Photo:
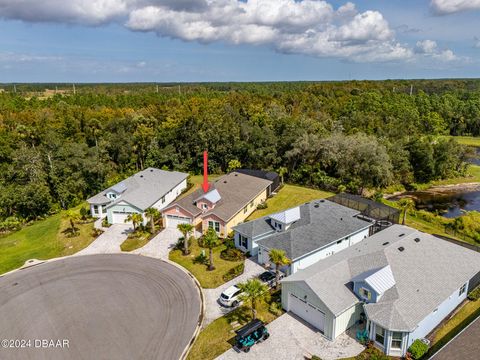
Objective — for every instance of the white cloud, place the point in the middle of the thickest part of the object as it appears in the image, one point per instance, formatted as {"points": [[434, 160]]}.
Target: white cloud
{"points": [[310, 27], [429, 48], [444, 7]]}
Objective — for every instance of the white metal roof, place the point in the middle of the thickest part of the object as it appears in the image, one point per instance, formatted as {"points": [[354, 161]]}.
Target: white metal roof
{"points": [[287, 216], [380, 280], [212, 196]]}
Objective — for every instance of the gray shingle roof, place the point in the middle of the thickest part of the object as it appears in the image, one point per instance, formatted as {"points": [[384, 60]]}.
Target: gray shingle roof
{"points": [[321, 223], [236, 191], [143, 189], [426, 273]]}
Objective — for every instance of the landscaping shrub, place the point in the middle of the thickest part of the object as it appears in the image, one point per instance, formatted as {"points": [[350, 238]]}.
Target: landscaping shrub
{"points": [[201, 259], [234, 272], [230, 254], [262, 205], [372, 353], [180, 244], [229, 243], [276, 309], [474, 295], [418, 349], [315, 357]]}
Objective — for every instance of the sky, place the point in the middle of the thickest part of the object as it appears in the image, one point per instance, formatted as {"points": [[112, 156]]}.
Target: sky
{"points": [[237, 40]]}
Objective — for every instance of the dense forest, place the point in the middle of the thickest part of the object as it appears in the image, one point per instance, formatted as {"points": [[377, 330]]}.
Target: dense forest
{"points": [[58, 149]]}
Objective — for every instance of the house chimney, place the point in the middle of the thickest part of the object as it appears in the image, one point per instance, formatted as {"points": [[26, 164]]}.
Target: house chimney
{"points": [[205, 185]]}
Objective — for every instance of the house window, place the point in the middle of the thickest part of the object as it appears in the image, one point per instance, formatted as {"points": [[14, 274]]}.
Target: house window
{"points": [[251, 204], [214, 225], [380, 335], [95, 209], [204, 206], [397, 338], [104, 208], [364, 293], [462, 290], [278, 226], [163, 199], [243, 241], [245, 209]]}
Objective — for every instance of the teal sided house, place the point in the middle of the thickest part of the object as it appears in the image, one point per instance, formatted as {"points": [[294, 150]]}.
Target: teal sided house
{"points": [[148, 188], [392, 288]]}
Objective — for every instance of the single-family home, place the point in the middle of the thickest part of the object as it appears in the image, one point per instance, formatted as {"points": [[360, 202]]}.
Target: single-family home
{"points": [[307, 233], [227, 202], [395, 287], [148, 188]]}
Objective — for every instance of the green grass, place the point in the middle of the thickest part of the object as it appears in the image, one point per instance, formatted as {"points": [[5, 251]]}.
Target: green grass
{"points": [[45, 239], [136, 240], [467, 140], [208, 279], [289, 196], [218, 337], [466, 315]]}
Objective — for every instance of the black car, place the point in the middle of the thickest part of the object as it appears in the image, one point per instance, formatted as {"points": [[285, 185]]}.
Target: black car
{"points": [[251, 334], [268, 277]]}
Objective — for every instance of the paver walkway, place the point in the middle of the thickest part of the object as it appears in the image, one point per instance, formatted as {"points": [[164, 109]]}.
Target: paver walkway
{"points": [[109, 242], [213, 310], [291, 338]]}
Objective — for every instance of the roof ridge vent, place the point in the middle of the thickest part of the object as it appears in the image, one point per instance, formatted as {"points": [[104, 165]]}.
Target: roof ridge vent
{"points": [[417, 240], [386, 243], [402, 234]]}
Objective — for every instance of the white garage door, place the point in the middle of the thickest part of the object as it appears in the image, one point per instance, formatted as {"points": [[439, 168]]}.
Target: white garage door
{"points": [[307, 312], [120, 217], [173, 221]]}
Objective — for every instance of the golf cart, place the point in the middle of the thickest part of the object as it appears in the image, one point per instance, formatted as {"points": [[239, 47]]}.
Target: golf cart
{"points": [[251, 334]]}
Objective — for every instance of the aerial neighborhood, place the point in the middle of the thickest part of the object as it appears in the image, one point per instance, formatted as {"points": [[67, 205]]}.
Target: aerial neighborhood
{"points": [[342, 268]]}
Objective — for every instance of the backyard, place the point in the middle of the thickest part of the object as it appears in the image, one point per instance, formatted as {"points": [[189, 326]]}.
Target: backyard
{"points": [[289, 196], [44, 239]]}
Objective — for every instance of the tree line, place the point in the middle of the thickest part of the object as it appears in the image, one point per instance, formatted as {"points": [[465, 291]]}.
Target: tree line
{"points": [[57, 151]]}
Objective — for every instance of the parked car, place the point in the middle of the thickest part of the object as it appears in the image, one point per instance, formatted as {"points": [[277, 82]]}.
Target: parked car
{"points": [[251, 334], [268, 278], [230, 296]]}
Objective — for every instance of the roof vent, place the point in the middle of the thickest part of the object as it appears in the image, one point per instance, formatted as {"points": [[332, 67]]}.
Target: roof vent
{"points": [[341, 219], [322, 201], [316, 205], [401, 248], [236, 174], [402, 234], [225, 182], [386, 243], [151, 170], [417, 240], [141, 176]]}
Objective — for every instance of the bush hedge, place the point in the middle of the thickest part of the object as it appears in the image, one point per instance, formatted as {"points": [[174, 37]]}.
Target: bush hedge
{"points": [[474, 295], [230, 254], [418, 349], [234, 272]]}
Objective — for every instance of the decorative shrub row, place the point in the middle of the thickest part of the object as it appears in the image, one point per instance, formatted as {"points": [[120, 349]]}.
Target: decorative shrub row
{"points": [[234, 272]]}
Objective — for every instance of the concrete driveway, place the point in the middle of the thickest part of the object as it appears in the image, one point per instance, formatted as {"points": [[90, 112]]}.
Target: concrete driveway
{"points": [[160, 245], [291, 338], [116, 306], [109, 242], [213, 310]]}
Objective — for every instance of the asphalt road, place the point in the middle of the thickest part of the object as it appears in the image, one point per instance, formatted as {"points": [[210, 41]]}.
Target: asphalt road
{"points": [[103, 306], [465, 346]]}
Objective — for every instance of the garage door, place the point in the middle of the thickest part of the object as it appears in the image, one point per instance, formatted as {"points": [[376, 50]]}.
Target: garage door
{"points": [[173, 221], [120, 217], [307, 312]]}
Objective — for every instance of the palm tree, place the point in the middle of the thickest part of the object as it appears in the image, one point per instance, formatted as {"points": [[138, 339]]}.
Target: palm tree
{"points": [[253, 291], [152, 213], [185, 229], [135, 219], [282, 171], [406, 204], [72, 216], [210, 240], [279, 258]]}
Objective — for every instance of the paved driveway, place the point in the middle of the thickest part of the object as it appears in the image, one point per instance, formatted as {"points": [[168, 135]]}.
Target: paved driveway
{"points": [[109, 242], [118, 306], [291, 338], [213, 309], [160, 245]]}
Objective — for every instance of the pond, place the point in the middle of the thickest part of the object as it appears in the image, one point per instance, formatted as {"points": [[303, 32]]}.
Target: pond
{"points": [[450, 204]]}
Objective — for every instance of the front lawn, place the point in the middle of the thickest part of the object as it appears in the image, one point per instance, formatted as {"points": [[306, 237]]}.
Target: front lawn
{"points": [[136, 240], [289, 196], [219, 336], [447, 331], [45, 239], [208, 279]]}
